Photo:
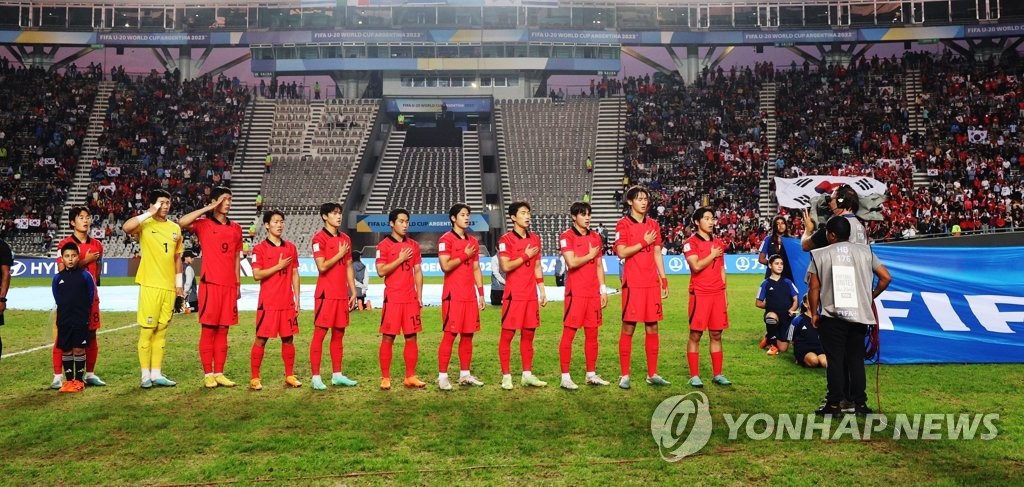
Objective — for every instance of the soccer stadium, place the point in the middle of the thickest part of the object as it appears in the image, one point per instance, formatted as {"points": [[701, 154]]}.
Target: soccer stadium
{"points": [[812, 207]]}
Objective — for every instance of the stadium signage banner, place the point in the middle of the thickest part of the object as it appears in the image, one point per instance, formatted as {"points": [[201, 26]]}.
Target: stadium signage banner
{"points": [[33, 267], [433, 105], [945, 305], [418, 223]]}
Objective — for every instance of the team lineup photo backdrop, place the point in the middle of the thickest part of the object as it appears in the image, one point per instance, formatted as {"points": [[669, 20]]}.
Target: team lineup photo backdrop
{"points": [[945, 305]]}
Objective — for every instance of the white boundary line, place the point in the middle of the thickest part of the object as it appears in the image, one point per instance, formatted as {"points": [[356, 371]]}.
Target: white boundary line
{"points": [[45, 347]]}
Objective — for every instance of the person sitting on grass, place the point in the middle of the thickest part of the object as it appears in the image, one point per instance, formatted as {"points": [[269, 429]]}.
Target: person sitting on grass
{"points": [[807, 349], [779, 299]]}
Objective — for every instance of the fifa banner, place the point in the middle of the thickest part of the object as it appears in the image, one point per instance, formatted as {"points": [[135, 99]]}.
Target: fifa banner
{"points": [[419, 223], [797, 192], [945, 305], [32, 267], [433, 105]]}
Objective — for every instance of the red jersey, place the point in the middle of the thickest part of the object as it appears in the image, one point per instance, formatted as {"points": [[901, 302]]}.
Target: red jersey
{"points": [[709, 280], [460, 283], [399, 286], [90, 245], [640, 270], [521, 283], [221, 244], [332, 284], [581, 281], [276, 290]]}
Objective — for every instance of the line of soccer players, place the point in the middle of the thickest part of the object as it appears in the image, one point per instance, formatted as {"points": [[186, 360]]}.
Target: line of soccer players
{"points": [[275, 267]]}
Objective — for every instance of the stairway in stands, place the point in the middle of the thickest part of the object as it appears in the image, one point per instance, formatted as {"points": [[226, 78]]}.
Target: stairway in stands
{"points": [[506, 188], [608, 173], [247, 168], [377, 200], [766, 103], [472, 170], [90, 146], [912, 82]]}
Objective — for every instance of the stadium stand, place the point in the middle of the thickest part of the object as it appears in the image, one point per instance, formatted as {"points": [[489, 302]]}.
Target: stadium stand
{"points": [[546, 145], [43, 121]]}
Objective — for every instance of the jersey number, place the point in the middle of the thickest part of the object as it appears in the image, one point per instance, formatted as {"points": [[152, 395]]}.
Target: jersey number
{"points": [[224, 248], [165, 248]]}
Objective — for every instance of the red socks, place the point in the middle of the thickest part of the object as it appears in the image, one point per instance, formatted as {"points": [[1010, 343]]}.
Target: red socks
{"points": [[58, 359], [651, 344], [693, 358], [256, 359], [716, 363], [220, 350], [288, 355], [444, 353], [565, 348], [316, 349], [526, 348], [590, 348], [384, 354], [92, 350], [625, 352], [505, 350], [465, 351], [337, 349], [206, 338], [411, 353]]}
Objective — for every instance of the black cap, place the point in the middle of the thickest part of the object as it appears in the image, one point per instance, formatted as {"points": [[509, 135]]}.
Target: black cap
{"points": [[187, 253]]}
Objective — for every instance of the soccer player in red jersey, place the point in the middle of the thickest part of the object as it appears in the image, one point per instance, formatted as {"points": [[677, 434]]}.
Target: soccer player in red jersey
{"points": [[644, 284], [458, 254], [335, 294], [90, 251], [585, 293], [708, 308], [275, 264], [219, 286], [398, 261], [518, 255]]}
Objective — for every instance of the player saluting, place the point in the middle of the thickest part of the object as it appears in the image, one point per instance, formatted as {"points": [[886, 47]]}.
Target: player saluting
{"points": [[644, 284], [90, 253], [335, 294], [585, 293], [398, 261], [221, 242], [462, 296], [708, 308], [518, 257], [160, 280], [275, 264]]}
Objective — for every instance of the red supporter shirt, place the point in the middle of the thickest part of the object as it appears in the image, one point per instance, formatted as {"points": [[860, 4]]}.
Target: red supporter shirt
{"points": [[709, 280], [461, 281], [332, 284], [276, 290], [221, 243], [90, 245], [640, 269], [399, 286], [521, 283], [581, 281]]}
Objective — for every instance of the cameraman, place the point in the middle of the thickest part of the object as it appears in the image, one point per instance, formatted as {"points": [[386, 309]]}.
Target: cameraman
{"points": [[842, 202]]}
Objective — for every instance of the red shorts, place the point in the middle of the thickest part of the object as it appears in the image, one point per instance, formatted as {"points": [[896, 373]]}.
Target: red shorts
{"points": [[218, 305], [641, 305], [400, 318], [94, 315], [460, 316], [582, 312], [330, 313], [271, 323], [708, 312], [516, 315]]}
